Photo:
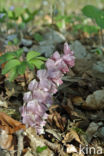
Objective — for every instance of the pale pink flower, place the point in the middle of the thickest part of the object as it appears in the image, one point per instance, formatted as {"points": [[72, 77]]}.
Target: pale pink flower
{"points": [[67, 49], [56, 56], [33, 85], [27, 97], [42, 74], [69, 60], [42, 96]]}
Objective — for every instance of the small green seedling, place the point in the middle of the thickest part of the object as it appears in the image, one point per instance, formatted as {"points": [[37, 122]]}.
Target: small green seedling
{"points": [[38, 37], [41, 149], [97, 51], [90, 29], [28, 16]]}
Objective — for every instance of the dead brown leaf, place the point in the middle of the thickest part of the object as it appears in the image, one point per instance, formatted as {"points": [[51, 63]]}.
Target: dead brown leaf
{"points": [[9, 124], [70, 136], [78, 101], [57, 120], [8, 127]]}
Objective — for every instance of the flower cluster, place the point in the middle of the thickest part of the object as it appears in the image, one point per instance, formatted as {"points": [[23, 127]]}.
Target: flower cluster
{"points": [[39, 97]]}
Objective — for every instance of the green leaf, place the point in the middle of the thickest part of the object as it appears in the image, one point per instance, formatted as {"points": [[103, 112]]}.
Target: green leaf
{"points": [[97, 50], [13, 74], [31, 55], [41, 149], [22, 68], [6, 57], [100, 19], [94, 13], [10, 65], [30, 66], [90, 11], [38, 37], [90, 29], [18, 53], [16, 41], [42, 58], [37, 63]]}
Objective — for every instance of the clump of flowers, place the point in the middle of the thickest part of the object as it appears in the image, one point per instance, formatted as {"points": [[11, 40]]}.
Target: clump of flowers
{"points": [[39, 97]]}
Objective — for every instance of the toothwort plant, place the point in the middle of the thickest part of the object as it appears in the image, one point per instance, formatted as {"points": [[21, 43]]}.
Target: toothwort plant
{"points": [[39, 97]]}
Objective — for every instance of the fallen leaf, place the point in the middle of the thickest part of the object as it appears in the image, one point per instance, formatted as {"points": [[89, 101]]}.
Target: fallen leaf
{"points": [[8, 126], [70, 136], [78, 101], [3, 104], [56, 119]]}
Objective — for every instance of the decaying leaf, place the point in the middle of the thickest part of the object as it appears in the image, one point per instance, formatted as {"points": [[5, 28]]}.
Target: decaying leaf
{"points": [[3, 104], [8, 141], [68, 107], [8, 127], [56, 119], [70, 136], [78, 101], [9, 124], [36, 141]]}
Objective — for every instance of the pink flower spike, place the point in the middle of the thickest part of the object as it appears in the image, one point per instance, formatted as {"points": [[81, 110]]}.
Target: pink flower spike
{"points": [[40, 96]]}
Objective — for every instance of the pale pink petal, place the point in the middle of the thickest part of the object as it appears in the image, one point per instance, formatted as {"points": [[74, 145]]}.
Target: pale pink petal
{"points": [[56, 56], [42, 74], [27, 97], [69, 60], [66, 48], [33, 85]]}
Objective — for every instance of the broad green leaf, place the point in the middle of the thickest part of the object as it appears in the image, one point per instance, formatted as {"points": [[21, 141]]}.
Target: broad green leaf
{"points": [[42, 58], [6, 57], [18, 53], [86, 28], [10, 55], [59, 24], [90, 11], [13, 74], [30, 66], [100, 19], [31, 55], [41, 149], [94, 13], [90, 29], [10, 65], [22, 68], [37, 63], [38, 37]]}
